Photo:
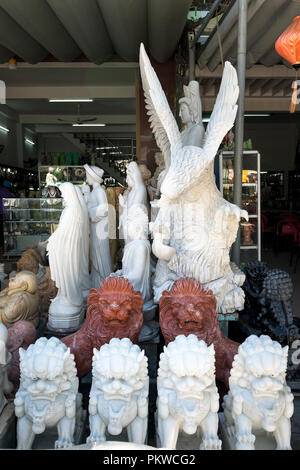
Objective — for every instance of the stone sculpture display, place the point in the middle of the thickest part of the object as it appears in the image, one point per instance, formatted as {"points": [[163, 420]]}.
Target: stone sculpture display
{"points": [[30, 261], [48, 394], [159, 173], [195, 226], [6, 386], [114, 311], [190, 113], [65, 256], [20, 300], [99, 229], [259, 398], [189, 309], [47, 291], [268, 302], [21, 335], [187, 392], [84, 252], [134, 196], [119, 393], [136, 261]]}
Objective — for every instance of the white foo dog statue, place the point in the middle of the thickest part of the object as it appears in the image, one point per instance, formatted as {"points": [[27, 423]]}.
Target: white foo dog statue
{"points": [[259, 399], [119, 393], [187, 392], [48, 394]]}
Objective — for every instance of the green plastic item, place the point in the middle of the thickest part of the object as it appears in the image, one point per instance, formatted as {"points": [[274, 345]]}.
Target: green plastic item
{"points": [[69, 158]]}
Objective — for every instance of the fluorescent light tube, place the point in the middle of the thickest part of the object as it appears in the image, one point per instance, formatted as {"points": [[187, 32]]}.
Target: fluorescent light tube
{"points": [[4, 129], [88, 125], [29, 141], [82, 100]]}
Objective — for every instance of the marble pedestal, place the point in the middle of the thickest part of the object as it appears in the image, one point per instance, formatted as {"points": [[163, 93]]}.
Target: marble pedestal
{"points": [[47, 439], [8, 427], [65, 323], [263, 441]]}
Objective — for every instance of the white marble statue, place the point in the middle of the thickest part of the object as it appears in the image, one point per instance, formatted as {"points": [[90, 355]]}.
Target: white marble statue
{"points": [[65, 251], [99, 227], [159, 173], [136, 261], [5, 385], [51, 179], [84, 252], [136, 195], [187, 394], [259, 398], [190, 113], [48, 394], [195, 227], [119, 393]]}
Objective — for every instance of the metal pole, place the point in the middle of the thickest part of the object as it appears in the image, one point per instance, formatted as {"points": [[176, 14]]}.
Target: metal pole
{"points": [[239, 125], [191, 56], [206, 20]]}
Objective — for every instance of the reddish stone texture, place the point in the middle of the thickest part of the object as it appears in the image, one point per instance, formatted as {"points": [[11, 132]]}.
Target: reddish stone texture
{"points": [[21, 335], [189, 309], [47, 291], [114, 311]]}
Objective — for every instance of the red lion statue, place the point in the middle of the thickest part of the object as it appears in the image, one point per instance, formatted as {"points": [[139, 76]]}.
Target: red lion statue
{"points": [[189, 309], [114, 311]]}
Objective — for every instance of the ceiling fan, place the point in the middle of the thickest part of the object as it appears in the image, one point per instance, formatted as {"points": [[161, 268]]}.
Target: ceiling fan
{"points": [[78, 120]]}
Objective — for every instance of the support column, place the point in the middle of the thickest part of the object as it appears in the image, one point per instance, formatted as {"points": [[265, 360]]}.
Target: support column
{"points": [[239, 126]]}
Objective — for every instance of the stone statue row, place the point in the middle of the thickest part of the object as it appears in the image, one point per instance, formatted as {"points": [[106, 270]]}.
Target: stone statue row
{"points": [[191, 225], [258, 405]]}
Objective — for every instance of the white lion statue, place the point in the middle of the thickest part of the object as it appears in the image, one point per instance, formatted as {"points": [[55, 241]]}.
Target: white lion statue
{"points": [[258, 398], [48, 394], [119, 393], [187, 392]]}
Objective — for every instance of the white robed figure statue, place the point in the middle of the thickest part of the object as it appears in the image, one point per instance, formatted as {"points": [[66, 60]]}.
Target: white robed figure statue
{"points": [[136, 195], [65, 250], [99, 227]]}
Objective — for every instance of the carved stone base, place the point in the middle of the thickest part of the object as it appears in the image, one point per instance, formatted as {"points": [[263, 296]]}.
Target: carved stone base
{"points": [[263, 441], [111, 445], [8, 426], [48, 438], [65, 323]]}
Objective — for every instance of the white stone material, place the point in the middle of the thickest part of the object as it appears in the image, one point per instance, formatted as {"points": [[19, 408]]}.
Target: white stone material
{"points": [[5, 385], [99, 227], [135, 196], [119, 393], [51, 179], [187, 394], [259, 398], [136, 261], [48, 394], [67, 249], [190, 113], [195, 227]]}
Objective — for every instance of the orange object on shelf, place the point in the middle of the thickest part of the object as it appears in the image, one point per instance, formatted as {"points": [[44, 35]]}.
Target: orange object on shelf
{"points": [[288, 47]]}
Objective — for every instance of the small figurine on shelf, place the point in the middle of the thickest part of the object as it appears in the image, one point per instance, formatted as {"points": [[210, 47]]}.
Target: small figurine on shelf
{"points": [[248, 229], [51, 189], [51, 180]]}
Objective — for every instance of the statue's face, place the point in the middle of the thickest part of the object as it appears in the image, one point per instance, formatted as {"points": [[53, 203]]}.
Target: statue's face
{"points": [[184, 113]]}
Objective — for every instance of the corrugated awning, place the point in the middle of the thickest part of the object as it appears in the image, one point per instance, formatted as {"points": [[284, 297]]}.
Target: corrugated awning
{"points": [[98, 29], [267, 19]]}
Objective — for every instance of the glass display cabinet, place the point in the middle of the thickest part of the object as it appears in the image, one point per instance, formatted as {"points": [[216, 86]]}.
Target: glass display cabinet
{"points": [[250, 231], [72, 174], [26, 222]]}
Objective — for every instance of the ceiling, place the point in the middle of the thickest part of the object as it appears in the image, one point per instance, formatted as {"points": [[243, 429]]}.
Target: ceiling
{"points": [[98, 30]]}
